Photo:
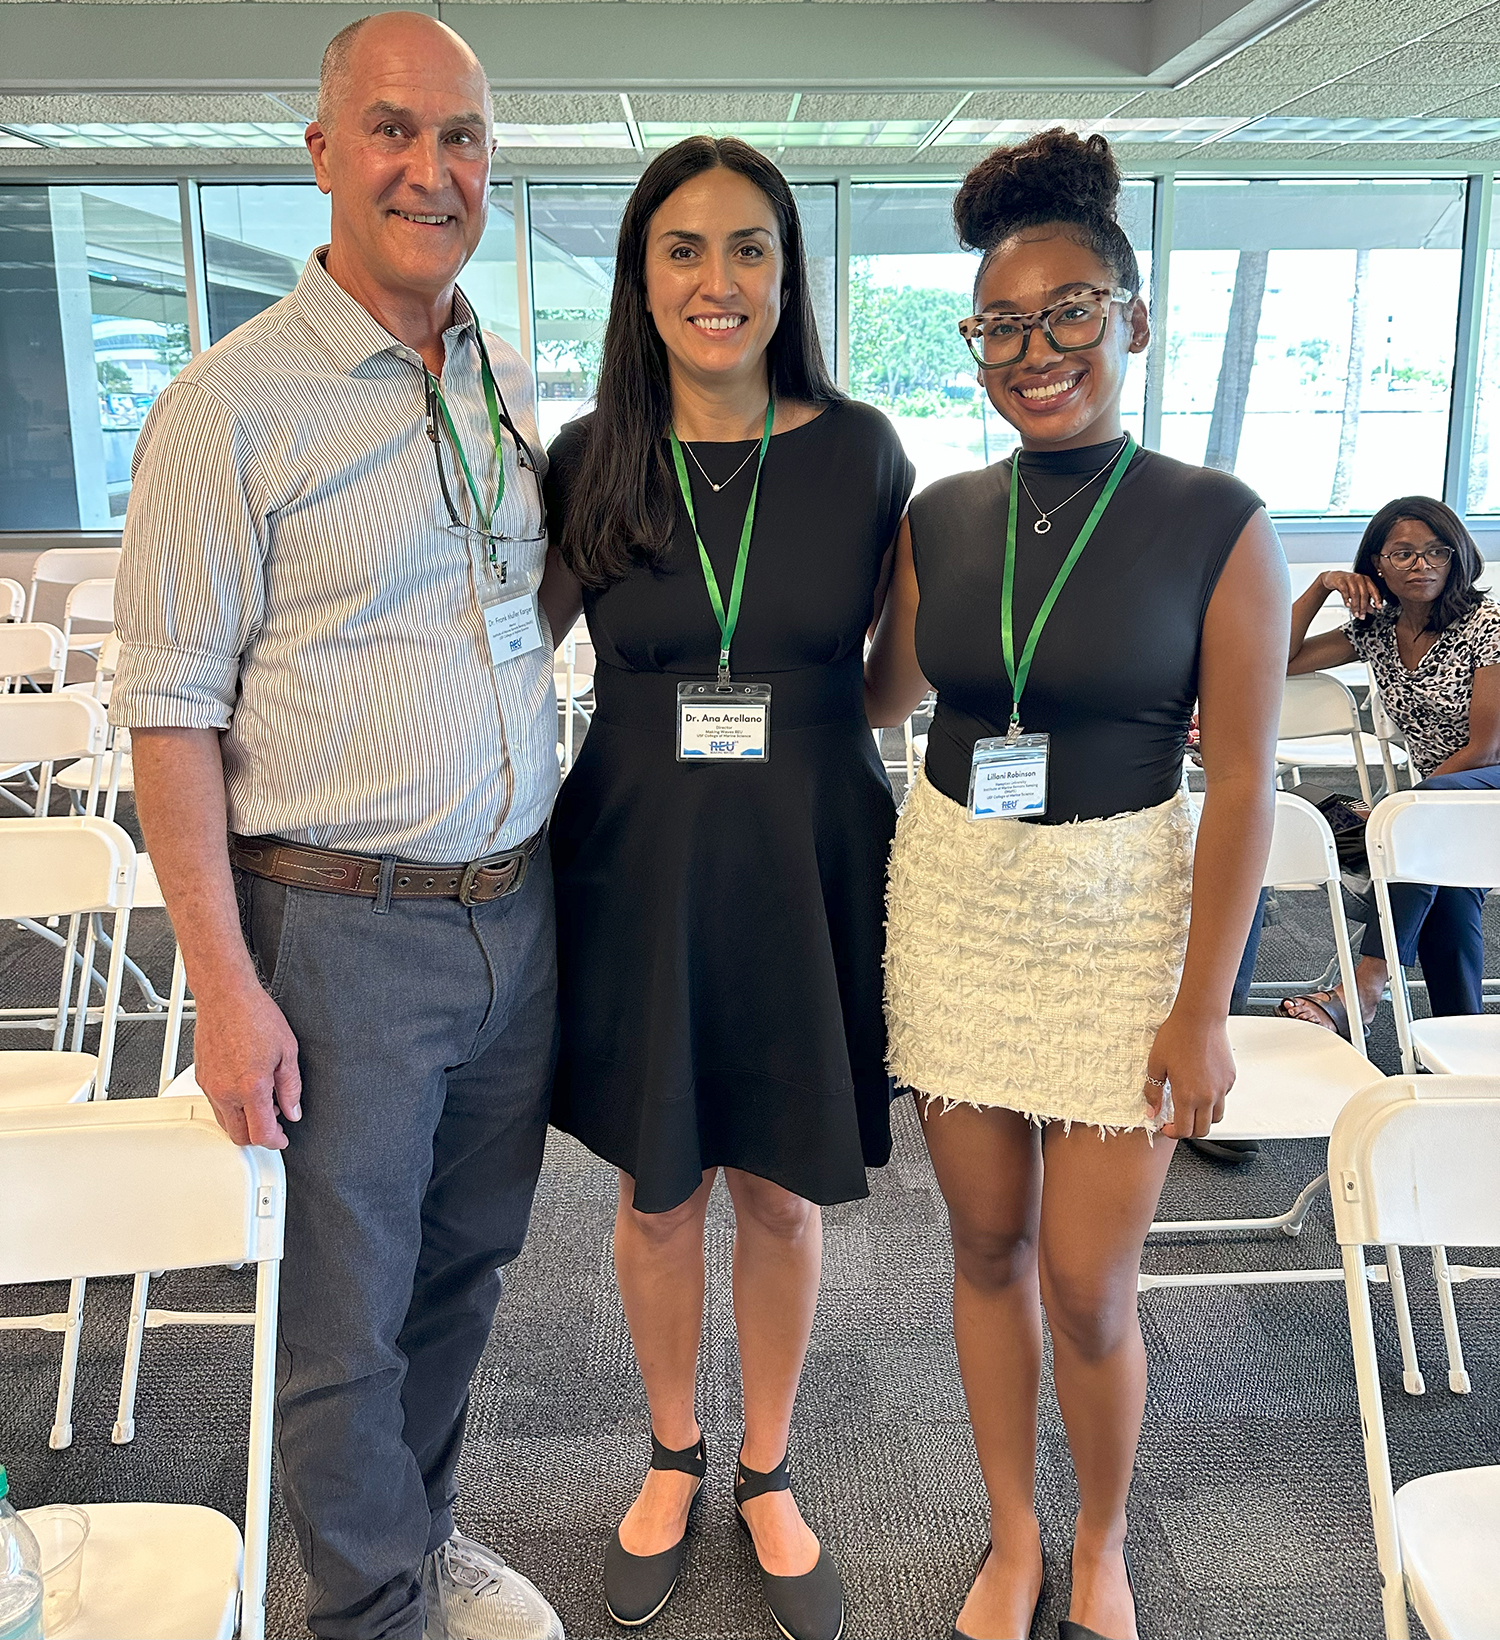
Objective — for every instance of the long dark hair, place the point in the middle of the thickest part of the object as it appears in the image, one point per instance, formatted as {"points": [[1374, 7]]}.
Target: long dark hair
{"points": [[1052, 177], [624, 504], [1459, 594]]}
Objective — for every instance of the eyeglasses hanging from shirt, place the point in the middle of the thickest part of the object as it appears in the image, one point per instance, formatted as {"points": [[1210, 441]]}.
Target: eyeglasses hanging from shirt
{"points": [[500, 418]]}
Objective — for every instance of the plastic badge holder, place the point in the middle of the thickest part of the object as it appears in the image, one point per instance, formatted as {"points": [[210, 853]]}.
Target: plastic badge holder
{"points": [[723, 722], [61, 1532], [1008, 778]]}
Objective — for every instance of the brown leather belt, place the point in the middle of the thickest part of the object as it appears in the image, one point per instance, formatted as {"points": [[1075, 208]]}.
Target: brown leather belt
{"points": [[333, 872]]}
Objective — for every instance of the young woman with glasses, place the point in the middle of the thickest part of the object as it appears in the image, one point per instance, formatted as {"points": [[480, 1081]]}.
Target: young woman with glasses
{"points": [[1432, 640], [727, 520], [1058, 970]]}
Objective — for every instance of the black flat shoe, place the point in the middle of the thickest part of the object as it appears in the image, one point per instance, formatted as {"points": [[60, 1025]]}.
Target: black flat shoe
{"points": [[636, 1587], [810, 1607], [1068, 1630], [958, 1633]]}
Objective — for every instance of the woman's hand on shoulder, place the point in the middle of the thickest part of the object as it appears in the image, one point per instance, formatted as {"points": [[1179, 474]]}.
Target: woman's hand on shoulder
{"points": [[1362, 597], [1193, 1057]]}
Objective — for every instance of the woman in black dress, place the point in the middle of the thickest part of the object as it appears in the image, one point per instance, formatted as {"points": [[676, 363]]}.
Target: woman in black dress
{"points": [[724, 514], [1056, 959]]}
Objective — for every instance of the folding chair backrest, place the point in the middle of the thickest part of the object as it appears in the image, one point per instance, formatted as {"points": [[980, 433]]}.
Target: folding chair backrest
{"points": [[42, 728], [1303, 854], [133, 1184], [1316, 704], [29, 648], [109, 655], [67, 566], [58, 866], [1448, 838], [92, 601], [12, 599], [1414, 1161]]}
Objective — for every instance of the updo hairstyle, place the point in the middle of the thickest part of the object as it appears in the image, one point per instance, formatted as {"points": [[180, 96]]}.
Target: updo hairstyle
{"points": [[1055, 177]]}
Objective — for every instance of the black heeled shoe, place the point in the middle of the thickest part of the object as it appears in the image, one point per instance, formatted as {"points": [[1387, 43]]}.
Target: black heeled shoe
{"points": [[958, 1633], [636, 1587], [810, 1607], [1069, 1630]]}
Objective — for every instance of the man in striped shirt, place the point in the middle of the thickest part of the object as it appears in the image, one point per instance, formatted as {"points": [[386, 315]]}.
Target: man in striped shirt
{"points": [[333, 655]]}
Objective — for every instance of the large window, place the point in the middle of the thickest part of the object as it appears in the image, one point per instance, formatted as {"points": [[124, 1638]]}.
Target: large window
{"points": [[93, 324], [256, 238], [909, 285], [1484, 459], [1311, 336], [573, 232]]}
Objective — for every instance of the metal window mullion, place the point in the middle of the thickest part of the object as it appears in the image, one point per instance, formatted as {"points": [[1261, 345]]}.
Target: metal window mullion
{"points": [[842, 219], [1468, 342], [194, 264], [1163, 206], [525, 323]]}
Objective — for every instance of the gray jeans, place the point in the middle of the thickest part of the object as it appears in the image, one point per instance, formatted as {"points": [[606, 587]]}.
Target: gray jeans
{"points": [[427, 1035]]}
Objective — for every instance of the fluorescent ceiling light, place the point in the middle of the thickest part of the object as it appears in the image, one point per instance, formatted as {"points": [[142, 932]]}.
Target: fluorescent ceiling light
{"points": [[607, 134], [798, 133]]}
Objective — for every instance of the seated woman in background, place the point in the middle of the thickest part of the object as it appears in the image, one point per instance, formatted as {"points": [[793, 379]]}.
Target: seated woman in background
{"points": [[1433, 641]]}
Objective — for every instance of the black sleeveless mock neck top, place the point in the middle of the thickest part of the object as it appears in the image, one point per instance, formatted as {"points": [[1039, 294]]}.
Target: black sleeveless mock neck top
{"points": [[1115, 676]]}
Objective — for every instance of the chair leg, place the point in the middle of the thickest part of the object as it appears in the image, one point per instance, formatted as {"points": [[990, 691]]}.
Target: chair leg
{"points": [[1458, 1378], [62, 1423], [1411, 1367], [173, 1039], [124, 1430]]}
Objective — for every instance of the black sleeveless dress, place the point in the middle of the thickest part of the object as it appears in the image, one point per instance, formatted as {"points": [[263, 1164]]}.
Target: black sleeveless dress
{"points": [[720, 927], [1029, 965]]}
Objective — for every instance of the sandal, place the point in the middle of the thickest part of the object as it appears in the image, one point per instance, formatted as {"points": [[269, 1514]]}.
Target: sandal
{"points": [[810, 1607], [1327, 1002], [636, 1587]]}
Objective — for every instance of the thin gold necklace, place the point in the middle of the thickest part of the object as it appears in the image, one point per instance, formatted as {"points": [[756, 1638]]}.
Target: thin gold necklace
{"points": [[734, 475]]}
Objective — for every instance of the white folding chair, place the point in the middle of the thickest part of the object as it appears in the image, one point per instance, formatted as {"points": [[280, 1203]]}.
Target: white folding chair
{"points": [[72, 868], [95, 1190], [141, 1316], [1393, 752], [28, 650], [575, 686], [1292, 1078], [1451, 839], [1414, 1163], [1320, 729], [67, 566], [12, 599], [93, 601]]}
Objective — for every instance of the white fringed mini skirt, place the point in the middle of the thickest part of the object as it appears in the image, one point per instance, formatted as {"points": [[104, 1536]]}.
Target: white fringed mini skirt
{"points": [[1029, 966]]}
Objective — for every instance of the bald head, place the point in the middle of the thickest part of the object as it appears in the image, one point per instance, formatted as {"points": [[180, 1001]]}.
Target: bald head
{"points": [[355, 54]]}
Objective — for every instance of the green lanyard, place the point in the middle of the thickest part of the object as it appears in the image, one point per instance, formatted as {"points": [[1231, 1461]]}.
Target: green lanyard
{"points": [[1019, 674], [492, 404], [729, 619]]}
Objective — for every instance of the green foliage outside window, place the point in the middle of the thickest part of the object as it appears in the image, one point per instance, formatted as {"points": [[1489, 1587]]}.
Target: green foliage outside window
{"points": [[905, 352]]}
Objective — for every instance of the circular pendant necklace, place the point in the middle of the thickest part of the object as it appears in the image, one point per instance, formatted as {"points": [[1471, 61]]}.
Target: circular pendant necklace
{"points": [[699, 465], [1044, 519]]}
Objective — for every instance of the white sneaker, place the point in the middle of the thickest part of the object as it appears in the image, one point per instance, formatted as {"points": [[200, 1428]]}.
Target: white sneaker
{"points": [[473, 1595]]}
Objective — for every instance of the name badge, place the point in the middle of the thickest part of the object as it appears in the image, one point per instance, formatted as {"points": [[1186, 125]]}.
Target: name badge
{"points": [[1008, 778], [723, 722], [513, 628]]}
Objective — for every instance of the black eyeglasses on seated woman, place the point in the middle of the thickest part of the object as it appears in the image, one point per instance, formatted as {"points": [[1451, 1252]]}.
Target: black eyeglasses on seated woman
{"points": [[1432, 639]]}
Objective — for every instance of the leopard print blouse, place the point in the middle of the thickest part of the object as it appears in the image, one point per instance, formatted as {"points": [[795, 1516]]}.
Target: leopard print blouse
{"points": [[1430, 705]]}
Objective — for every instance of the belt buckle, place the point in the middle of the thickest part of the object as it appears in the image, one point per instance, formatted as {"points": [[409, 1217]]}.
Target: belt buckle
{"points": [[492, 862]]}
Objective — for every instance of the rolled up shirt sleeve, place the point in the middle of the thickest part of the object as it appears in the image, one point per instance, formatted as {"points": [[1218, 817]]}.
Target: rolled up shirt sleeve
{"points": [[190, 592]]}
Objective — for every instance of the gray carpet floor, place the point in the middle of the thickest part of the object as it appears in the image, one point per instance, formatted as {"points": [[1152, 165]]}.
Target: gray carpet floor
{"points": [[1250, 1518]]}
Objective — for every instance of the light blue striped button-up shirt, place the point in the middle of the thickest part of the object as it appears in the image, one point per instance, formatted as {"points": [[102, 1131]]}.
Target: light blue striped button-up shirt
{"points": [[290, 577]]}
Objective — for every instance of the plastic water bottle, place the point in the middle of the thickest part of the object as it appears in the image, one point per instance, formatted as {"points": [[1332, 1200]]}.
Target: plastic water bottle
{"points": [[20, 1574]]}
